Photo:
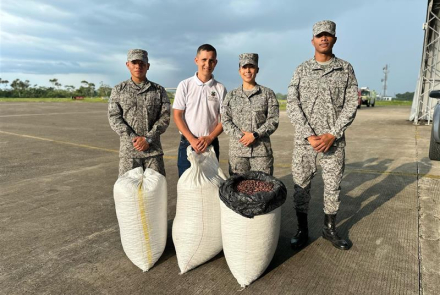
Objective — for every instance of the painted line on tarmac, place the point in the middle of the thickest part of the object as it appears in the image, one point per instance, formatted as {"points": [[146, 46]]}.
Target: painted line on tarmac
{"points": [[360, 171], [68, 113], [60, 141], [71, 143]]}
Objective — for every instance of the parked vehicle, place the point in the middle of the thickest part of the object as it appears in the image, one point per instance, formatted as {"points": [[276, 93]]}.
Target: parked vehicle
{"points": [[368, 96], [434, 146]]}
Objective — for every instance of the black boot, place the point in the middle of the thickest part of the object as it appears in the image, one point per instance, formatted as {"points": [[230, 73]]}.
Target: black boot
{"points": [[329, 232], [302, 235]]}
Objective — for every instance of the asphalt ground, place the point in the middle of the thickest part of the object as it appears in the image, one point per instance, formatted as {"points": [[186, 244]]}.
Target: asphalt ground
{"points": [[59, 233]]}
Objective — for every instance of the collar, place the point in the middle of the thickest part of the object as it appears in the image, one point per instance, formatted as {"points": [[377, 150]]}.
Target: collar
{"points": [[200, 83], [147, 84], [256, 89], [335, 64]]}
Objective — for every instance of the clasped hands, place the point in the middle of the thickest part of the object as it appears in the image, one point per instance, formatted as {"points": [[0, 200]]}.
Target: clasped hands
{"points": [[321, 143], [247, 139], [200, 144], [140, 143]]}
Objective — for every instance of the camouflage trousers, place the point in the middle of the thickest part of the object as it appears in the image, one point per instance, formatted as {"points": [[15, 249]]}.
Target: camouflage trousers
{"points": [[304, 169], [240, 165], [156, 163]]}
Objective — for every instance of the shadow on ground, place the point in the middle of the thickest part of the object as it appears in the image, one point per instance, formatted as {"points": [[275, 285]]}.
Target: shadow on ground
{"points": [[358, 200]]}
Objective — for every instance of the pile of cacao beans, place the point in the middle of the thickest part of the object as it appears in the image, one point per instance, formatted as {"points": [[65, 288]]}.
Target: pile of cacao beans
{"points": [[251, 186]]}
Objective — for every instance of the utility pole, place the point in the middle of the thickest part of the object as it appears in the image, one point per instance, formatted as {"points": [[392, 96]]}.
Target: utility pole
{"points": [[384, 80]]}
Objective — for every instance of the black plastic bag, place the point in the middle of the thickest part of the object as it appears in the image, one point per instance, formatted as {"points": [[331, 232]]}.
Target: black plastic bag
{"points": [[256, 204]]}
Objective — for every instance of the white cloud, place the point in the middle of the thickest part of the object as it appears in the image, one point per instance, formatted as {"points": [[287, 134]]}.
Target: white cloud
{"points": [[92, 37]]}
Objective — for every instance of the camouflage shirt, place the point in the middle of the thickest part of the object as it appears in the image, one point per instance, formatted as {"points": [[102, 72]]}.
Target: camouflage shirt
{"points": [[256, 112], [322, 100], [135, 110]]}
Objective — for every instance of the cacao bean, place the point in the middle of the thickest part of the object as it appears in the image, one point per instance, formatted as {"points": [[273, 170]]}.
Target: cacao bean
{"points": [[252, 186]]}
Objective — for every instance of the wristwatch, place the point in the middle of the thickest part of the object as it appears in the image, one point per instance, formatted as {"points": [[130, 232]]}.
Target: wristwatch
{"points": [[256, 135], [148, 140]]}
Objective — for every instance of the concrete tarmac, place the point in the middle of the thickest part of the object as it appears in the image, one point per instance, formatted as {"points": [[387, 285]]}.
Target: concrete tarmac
{"points": [[59, 233]]}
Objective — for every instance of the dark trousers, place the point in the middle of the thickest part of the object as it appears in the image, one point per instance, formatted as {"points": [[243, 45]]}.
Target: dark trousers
{"points": [[182, 159]]}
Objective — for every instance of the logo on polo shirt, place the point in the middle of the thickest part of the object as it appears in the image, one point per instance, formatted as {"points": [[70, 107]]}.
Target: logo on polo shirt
{"points": [[212, 96]]}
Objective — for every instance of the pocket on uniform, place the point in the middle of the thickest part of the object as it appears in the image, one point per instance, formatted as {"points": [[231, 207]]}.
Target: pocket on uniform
{"points": [[260, 111], [152, 99], [338, 82], [337, 90], [127, 104], [309, 83], [259, 107]]}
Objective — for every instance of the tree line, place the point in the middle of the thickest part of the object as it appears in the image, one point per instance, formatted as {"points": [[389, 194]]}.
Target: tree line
{"points": [[25, 89], [404, 96]]}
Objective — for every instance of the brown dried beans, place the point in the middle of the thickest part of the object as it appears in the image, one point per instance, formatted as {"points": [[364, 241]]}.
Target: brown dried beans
{"points": [[252, 186]]}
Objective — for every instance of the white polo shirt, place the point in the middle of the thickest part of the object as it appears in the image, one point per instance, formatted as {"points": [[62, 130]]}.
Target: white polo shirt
{"points": [[201, 102]]}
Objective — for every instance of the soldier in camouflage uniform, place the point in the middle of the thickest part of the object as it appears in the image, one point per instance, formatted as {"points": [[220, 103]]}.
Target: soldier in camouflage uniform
{"points": [[250, 115], [139, 112], [321, 104]]}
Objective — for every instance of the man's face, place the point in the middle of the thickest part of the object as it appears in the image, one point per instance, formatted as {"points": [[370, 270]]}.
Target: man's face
{"points": [[324, 42], [206, 62], [138, 68], [248, 73]]}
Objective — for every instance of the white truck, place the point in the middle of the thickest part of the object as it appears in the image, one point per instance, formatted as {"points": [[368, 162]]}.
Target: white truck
{"points": [[368, 96]]}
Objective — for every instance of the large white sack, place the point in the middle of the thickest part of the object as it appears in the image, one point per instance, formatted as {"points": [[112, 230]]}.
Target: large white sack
{"points": [[249, 243], [197, 226], [141, 208]]}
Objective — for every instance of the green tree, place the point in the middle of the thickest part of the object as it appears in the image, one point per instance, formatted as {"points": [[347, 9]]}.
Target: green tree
{"points": [[69, 88], [104, 90], [91, 88], [5, 82], [53, 81], [19, 86], [281, 96], [405, 96]]}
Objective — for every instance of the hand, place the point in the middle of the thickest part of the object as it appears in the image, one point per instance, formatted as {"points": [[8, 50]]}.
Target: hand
{"points": [[328, 140], [194, 142], [314, 140], [321, 143], [247, 139], [204, 142], [140, 143]]}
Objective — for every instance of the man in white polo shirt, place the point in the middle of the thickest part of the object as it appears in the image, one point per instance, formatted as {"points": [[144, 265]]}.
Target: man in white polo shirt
{"points": [[196, 108]]}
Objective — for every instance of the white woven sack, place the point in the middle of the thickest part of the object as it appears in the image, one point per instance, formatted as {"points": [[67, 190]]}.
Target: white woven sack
{"points": [[197, 227], [141, 208], [249, 243]]}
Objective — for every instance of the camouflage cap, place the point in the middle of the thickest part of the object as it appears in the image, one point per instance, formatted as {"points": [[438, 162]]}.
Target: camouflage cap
{"points": [[248, 59], [324, 26], [137, 54]]}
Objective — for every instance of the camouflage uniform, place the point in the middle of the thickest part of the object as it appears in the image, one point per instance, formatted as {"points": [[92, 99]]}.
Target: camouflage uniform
{"points": [[321, 99], [255, 111], [139, 110]]}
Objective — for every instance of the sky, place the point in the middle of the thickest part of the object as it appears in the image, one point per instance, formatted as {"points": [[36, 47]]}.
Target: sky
{"points": [[76, 40]]}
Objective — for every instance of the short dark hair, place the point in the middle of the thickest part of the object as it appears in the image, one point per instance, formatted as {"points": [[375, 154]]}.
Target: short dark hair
{"points": [[207, 47]]}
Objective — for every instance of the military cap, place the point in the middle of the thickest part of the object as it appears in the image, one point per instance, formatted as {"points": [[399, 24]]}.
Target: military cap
{"points": [[137, 54], [324, 26], [248, 59]]}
